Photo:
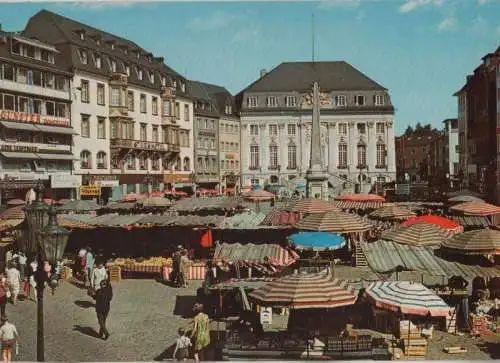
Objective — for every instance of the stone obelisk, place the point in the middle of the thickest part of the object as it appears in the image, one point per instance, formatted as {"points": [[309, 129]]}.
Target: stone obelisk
{"points": [[316, 177]]}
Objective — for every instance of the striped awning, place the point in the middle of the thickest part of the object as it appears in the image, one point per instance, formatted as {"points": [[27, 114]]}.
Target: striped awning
{"points": [[449, 225], [419, 234], [362, 197], [279, 217], [7, 224], [310, 205], [268, 257], [476, 208], [349, 204], [480, 241], [258, 195], [339, 222], [472, 221], [392, 212], [406, 297], [16, 212], [306, 291], [465, 199]]}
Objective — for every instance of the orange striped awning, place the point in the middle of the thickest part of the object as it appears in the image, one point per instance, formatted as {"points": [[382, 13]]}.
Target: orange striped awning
{"points": [[310, 205], [477, 208]]}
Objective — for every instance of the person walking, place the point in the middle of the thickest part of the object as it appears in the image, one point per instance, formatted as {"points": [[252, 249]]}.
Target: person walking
{"points": [[13, 282], [176, 266], [9, 337], [4, 291], [99, 274], [182, 345], [89, 264], [22, 261], [103, 297], [184, 268], [201, 331]]}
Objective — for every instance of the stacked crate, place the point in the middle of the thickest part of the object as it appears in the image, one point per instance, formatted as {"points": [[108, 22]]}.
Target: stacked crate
{"points": [[478, 323], [115, 273], [451, 321], [67, 273], [415, 347]]}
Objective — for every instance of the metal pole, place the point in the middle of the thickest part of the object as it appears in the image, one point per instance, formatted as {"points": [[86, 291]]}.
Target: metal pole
{"points": [[40, 277]]}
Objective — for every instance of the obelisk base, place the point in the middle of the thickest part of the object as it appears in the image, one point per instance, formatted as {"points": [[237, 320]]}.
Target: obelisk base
{"points": [[317, 184]]}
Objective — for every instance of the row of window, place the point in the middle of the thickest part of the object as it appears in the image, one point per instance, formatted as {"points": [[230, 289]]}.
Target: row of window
{"points": [[28, 166], [338, 100], [29, 51], [342, 129], [132, 162], [33, 77], [206, 124], [228, 128], [230, 165], [292, 156], [229, 146], [25, 104], [32, 137], [205, 143], [118, 98]]}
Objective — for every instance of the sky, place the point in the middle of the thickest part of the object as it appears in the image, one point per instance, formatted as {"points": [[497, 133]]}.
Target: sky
{"points": [[420, 50]]}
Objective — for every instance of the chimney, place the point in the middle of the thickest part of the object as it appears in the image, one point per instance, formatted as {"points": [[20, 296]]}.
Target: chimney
{"points": [[262, 73]]}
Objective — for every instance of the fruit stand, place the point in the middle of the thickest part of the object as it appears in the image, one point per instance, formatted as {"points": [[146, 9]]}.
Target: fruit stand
{"points": [[150, 265]]}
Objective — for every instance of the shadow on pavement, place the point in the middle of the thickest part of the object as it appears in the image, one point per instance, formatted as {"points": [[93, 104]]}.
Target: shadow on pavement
{"points": [[211, 353], [86, 330], [77, 283], [184, 306], [84, 304], [491, 348]]}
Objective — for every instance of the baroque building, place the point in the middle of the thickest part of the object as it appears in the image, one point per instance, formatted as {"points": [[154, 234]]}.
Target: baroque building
{"points": [[357, 133], [131, 111], [35, 120]]}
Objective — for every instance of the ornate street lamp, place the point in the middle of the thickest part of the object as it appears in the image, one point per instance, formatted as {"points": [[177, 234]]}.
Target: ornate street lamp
{"points": [[36, 215], [49, 243]]}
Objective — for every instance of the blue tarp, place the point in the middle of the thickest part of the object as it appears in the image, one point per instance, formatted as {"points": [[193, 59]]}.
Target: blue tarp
{"points": [[317, 241]]}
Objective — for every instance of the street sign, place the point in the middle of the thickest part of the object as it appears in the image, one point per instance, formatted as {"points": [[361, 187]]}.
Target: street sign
{"points": [[90, 190]]}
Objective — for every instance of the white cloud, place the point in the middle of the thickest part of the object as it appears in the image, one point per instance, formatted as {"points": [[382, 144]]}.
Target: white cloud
{"points": [[410, 5], [328, 4], [480, 26], [249, 35], [217, 20], [447, 23], [99, 5]]}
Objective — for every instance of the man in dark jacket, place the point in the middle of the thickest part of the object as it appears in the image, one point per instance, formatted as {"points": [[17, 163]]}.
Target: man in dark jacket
{"points": [[103, 298]]}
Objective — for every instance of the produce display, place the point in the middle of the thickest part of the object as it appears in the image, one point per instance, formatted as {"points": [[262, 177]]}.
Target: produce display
{"points": [[152, 261]]}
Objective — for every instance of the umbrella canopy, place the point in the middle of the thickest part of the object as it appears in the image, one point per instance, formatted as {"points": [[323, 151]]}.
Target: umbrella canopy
{"points": [[13, 213], [362, 197], [309, 205], [339, 222], [476, 208], [479, 241], [258, 195], [317, 241], [407, 298], [462, 193], [464, 199], [132, 197], [80, 206], [442, 222], [63, 201], [49, 201], [155, 202], [15, 202], [392, 212], [306, 291], [419, 234]]}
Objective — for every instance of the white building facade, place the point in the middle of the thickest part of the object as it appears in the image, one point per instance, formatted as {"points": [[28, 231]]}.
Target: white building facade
{"points": [[451, 126], [357, 127], [131, 111]]}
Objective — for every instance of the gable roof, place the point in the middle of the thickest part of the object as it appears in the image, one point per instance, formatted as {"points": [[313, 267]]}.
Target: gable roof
{"points": [[299, 76]]}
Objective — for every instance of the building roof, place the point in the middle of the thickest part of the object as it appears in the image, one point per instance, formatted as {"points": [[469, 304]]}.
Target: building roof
{"points": [[299, 76], [64, 33], [221, 97]]}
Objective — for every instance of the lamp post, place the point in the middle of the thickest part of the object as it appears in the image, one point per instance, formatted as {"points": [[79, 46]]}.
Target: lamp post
{"points": [[48, 242], [148, 180]]}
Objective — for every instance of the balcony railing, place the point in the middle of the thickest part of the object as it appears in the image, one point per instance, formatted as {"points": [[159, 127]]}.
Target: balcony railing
{"points": [[144, 145]]}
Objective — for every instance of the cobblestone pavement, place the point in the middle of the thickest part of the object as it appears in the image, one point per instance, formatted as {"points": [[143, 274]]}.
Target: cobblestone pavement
{"points": [[142, 322]]}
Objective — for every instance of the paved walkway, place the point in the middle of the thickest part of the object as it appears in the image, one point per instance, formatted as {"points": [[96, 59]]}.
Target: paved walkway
{"points": [[143, 322]]}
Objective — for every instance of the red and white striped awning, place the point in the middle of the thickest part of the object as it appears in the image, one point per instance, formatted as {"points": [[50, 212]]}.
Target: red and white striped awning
{"points": [[351, 204], [306, 291], [310, 205]]}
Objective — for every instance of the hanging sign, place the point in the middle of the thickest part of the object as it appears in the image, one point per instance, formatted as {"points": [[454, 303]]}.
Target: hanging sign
{"points": [[90, 190], [266, 315]]}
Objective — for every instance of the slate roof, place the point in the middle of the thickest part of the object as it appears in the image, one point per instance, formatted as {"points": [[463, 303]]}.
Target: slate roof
{"points": [[299, 76], [198, 91], [64, 33]]}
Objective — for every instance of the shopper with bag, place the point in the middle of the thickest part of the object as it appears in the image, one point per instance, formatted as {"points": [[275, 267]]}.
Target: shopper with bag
{"points": [[4, 292], [9, 337], [13, 282]]}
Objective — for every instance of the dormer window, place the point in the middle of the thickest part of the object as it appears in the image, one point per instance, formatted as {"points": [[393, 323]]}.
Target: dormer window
{"points": [[175, 84], [163, 81], [125, 51], [83, 56], [113, 65], [183, 87], [98, 61], [139, 74], [149, 59], [138, 54], [152, 77], [98, 42], [272, 101], [82, 35], [228, 110], [112, 45], [127, 69]]}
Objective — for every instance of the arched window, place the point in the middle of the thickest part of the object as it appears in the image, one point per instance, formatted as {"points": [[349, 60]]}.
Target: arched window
{"points": [[201, 164], [155, 163], [143, 162], [131, 162], [273, 155], [380, 154], [361, 155], [254, 156], [292, 156], [101, 160], [187, 164], [85, 160], [178, 163], [273, 179], [342, 155]]}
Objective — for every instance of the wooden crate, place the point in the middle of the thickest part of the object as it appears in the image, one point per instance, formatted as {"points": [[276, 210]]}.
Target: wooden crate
{"points": [[67, 273], [115, 273]]}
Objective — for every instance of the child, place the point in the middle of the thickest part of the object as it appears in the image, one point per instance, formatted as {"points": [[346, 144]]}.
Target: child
{"points": [[181, 351]]}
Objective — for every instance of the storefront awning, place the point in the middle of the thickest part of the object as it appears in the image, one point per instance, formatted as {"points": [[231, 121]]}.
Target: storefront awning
{"points": [[18, 126], [56, 129], [58, 156], [14, 155]]}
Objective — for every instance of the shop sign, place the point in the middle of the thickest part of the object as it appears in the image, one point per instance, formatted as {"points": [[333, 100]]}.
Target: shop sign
{"points": [[266, 315], [19, 148], [32, 118], [230, 155], [65, 181], [90, 190], [108, 183]]}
